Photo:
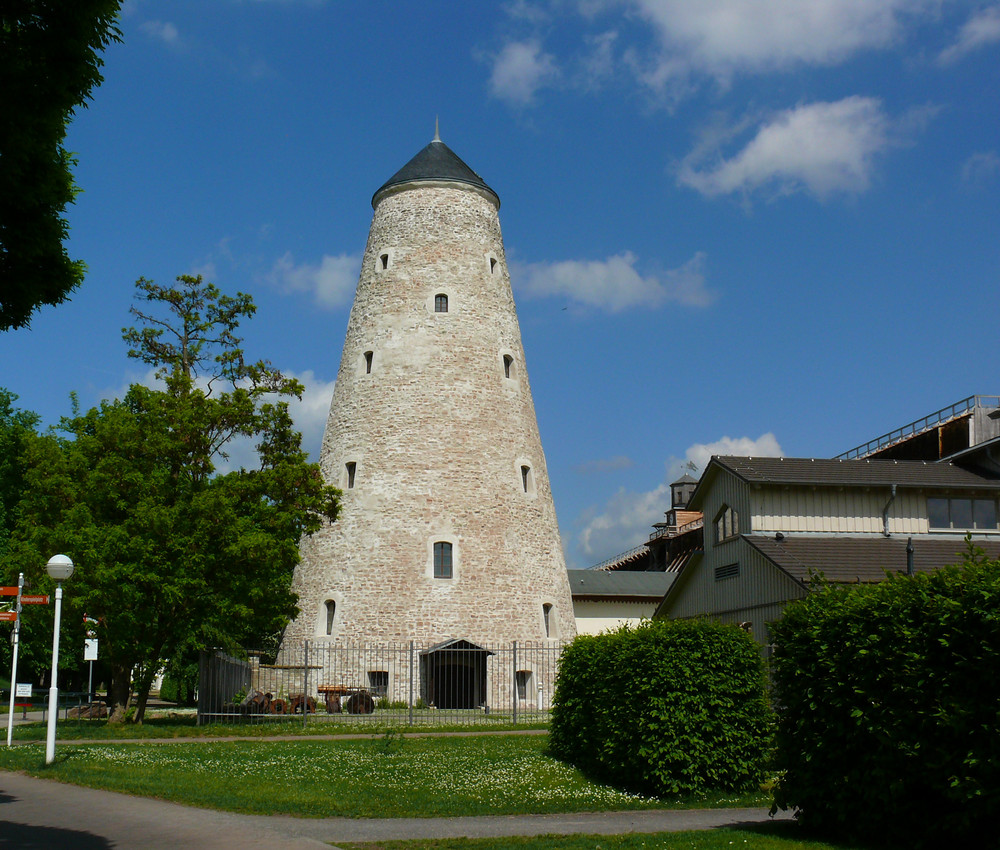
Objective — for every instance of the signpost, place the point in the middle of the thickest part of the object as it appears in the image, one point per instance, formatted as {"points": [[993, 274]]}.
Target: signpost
{"points": [[13, 664], [17, 689]]}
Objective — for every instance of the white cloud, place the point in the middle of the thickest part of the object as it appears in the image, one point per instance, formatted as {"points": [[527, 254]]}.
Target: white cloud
{"points": [[981, 30], [162, 30], [822, 148], [766, 445], [614, 284], [722, 37], [627, 517], [332, 281], [981, 167], [310, 413], [520, 69]]}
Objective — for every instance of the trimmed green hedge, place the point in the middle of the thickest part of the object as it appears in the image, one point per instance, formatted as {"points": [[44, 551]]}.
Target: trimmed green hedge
{"points": [[889, 707], [670, 707]]}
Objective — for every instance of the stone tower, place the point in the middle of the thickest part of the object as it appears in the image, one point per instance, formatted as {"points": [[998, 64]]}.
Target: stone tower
{"points": [[447, 528]]}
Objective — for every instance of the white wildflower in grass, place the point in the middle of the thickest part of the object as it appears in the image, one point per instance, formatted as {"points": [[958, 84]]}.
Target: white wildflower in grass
{"points": [[419, 777]]}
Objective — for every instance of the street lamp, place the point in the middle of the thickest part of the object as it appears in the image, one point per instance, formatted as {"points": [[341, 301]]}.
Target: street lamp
{"points": [[59, 569]]}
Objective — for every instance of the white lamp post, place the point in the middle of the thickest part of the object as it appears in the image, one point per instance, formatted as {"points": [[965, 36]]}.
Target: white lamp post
{"points": [[59, 569]]}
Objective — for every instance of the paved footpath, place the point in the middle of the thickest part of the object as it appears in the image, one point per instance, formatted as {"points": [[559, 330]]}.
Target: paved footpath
{"points": [[41, 813]]}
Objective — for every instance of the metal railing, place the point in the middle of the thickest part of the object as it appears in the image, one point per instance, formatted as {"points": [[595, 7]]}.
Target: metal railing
{"points": [[675, 530], [620, 558], [396, 684], [940, 417]]}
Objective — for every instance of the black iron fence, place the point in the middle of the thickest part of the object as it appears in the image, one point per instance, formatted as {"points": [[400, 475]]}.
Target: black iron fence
{"points": [[456, 681]]}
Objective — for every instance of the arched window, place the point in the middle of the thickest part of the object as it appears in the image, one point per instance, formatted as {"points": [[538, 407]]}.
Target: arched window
{"points": [[441, 303], [549, 619], [508, 361], [727, 524], [384, 260], [331, 615], [442, 560]]}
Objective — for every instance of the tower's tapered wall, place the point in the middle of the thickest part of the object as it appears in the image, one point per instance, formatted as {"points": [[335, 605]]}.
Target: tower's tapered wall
{"points": [[432, 437]]}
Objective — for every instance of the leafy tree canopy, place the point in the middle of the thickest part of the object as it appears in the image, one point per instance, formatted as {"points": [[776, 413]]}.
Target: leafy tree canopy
{"points": [[172, 553], [49, 63], [16, 426]]}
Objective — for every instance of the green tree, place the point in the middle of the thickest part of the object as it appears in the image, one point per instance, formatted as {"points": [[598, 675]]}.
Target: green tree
{"points": [[173, 554], [49, 64], [16, 427]]}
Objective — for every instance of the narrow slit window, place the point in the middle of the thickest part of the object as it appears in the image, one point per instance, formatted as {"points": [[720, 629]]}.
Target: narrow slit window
{"points": [[493, 265], [331, 615], [441, 303], [526, 478], [508, 362], [384, 260], [352, 467], [442, 560], [547, 618], [368, 361]]}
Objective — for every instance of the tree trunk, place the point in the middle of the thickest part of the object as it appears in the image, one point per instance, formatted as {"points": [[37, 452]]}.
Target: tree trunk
{"points": [[119, 693]]}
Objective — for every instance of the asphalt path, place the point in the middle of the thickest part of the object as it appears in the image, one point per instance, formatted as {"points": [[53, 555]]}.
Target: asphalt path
{"points": [[42, 813]]}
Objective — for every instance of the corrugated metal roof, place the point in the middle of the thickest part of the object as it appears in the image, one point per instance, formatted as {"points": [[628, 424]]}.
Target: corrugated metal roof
{"points": [[618, 585], [870, 472], [864, 559]]}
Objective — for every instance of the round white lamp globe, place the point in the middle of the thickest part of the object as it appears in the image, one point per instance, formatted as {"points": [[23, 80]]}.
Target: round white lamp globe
{"points": [[59, 567]]}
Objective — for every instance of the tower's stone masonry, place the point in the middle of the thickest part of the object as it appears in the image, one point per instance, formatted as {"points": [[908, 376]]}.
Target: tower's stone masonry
{"points": [[433, 438]]}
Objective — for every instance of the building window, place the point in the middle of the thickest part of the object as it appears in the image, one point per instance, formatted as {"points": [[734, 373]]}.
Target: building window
{"points": [[525, 477], [384, 260], [521, 680], [368, 361], [728, 571], [331, 615], [508, 361], [548, 618], [442, 560], [351, 469], [962, 514], [727, 524], [378, 683], [493, 264], [441, 303]]}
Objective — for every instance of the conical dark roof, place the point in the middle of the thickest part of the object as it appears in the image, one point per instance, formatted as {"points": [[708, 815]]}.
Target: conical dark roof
{"points": [[435, 162]]}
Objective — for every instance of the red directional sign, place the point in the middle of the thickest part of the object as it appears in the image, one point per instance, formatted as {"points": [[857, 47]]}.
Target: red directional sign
{"points": [[8, 591], [34, 600], [8, 616]]}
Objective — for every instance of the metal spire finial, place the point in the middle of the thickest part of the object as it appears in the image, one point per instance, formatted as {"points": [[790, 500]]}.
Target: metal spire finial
{"points": [[437, 134]]}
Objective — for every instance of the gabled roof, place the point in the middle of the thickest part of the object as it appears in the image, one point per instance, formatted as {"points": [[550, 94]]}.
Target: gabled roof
{"points": [[456, 644], [435, 163], [861, 559], [624, 585], [820, 472]]}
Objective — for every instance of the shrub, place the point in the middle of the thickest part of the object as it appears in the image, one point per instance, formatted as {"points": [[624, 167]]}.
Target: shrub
{"points": [[888, 707], [669, 707]]}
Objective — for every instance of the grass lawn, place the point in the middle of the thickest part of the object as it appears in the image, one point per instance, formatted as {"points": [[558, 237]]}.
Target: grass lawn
{"points": [[177, 725], [380, 777], [776, 836]]}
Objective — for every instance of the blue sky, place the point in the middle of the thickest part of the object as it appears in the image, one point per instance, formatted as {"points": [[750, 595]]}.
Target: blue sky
{"points": [[733, 226]]}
